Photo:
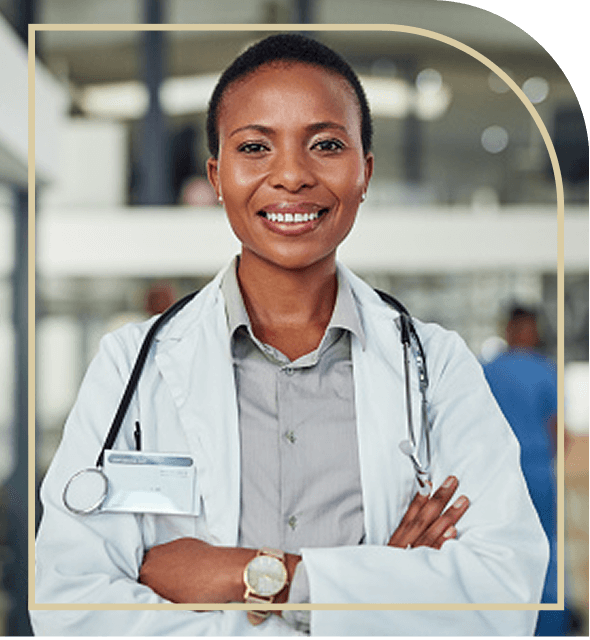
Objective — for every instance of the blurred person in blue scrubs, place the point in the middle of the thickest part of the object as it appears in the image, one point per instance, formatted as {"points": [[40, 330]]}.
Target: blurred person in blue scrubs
{"points": [[524, 382]]}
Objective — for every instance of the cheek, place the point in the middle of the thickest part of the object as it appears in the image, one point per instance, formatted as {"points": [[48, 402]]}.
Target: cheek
{"points": [[348, 178], [239, 179]]}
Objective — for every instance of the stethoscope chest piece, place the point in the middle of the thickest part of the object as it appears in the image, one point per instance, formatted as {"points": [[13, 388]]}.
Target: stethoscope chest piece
{"points": [[86, 491]]}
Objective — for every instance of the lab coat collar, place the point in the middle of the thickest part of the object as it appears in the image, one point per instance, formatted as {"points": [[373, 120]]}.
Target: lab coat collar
{"points": [[211, 294]]}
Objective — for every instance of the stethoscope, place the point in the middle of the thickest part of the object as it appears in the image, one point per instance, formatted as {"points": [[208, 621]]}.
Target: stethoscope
{"points": [[86, 491], [418, 450]]}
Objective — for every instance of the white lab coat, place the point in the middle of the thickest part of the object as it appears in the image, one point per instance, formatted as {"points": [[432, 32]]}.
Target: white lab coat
{"points": [[186, 402]]}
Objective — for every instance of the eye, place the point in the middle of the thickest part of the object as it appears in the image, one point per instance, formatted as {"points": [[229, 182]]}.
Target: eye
{"points": [[330, 145], [253, 147]]}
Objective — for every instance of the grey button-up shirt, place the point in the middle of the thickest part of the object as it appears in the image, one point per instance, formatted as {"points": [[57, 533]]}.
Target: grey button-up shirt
{"points": [[300, 472]]}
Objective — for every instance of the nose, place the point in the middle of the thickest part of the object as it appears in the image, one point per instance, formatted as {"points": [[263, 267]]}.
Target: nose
{"points": [[291, 170]]}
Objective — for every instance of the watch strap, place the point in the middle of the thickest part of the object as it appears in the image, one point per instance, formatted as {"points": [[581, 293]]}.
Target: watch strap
{"points": [[255, 617]]}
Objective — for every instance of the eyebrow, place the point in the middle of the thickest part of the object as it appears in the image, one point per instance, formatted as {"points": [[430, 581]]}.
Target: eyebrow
{"points": [[313, 128]]}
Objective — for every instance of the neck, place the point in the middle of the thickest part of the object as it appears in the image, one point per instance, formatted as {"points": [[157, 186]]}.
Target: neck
{"points": [[288, 308]]}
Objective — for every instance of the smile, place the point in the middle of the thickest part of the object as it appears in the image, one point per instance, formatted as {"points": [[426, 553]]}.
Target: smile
{"points": [[292, 218]]}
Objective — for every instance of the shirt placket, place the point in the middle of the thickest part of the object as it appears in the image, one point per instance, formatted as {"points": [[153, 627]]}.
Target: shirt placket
{"points": [[289, 453]]}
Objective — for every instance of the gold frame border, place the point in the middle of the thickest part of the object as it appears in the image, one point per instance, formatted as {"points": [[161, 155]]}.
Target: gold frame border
{"points": [[33, 605]]}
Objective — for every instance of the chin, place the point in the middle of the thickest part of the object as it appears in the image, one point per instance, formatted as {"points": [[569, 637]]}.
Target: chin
{"points": [[291, 261]]}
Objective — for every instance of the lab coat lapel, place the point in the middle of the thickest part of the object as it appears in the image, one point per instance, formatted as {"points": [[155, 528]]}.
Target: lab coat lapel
{"points": [[194, 358], [195, 361], [386, 473]]}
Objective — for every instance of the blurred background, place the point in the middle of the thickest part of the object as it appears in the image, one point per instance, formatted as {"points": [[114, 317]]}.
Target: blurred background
{"points": [[459, 221]]}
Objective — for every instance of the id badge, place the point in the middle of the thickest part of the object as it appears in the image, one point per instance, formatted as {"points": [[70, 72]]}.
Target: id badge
{"points": [[144, 482]]}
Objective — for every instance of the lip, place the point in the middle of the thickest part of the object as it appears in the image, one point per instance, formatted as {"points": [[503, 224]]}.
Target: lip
{"points": [[293, 228], [294, 207]]}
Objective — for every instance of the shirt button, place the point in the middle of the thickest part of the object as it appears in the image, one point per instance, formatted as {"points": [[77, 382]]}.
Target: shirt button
{"points": [[291, 437], [289, 371], [293, 522]]}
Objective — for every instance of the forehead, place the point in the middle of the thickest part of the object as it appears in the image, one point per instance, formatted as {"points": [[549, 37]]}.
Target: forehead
{"points": [[291, 91]]}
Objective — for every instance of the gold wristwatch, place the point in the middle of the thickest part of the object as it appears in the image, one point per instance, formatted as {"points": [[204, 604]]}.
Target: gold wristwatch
{"points": [[264, 576]]}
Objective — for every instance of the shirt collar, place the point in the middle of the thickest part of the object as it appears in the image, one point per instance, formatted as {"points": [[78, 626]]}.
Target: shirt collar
{"points": [[235, 310], [346, 313]]}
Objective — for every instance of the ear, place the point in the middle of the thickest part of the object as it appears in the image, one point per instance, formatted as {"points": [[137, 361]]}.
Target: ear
{"points": [[369, 166], [213, 175]]}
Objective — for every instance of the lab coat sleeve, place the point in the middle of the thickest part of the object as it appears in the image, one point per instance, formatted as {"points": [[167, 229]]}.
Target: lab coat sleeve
{"points": [[96, 558], [500, 555]]}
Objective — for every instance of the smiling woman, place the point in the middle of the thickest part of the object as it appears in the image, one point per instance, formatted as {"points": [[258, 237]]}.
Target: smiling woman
{"points": [[291, 171], [283, 382]]}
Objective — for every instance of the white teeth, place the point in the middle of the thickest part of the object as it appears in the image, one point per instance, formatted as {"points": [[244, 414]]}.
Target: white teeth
{"points": [[290, 217]]}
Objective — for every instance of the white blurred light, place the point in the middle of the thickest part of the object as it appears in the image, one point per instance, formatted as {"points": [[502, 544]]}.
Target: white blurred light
{"points": [[389, 97], [431, 106], [429, 81], [116, 100], [491, 348], [432, 97], [536, 89], [494, 139], [187, 95], [496, 84], [576, 397]]}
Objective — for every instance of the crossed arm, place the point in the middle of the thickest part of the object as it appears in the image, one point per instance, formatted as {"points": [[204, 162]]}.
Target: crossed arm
{"points": [[188, 570]]}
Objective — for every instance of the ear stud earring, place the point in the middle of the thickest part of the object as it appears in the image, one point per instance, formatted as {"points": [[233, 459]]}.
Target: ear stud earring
{"points": [[363, 197]]}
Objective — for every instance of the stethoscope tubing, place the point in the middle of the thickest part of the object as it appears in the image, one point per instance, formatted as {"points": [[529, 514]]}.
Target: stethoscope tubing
{"points": [[409, 447], [136, 373]]}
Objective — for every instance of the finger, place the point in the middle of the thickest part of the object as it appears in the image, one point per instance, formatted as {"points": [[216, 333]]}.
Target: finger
{"points": [[449, 518], [417, 503], [438, 528], [449, 534], [421, 513], [430, 511]]}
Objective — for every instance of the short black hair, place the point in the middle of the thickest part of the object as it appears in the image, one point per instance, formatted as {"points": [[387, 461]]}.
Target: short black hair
{"points": [[290, 47], [520, 312]]}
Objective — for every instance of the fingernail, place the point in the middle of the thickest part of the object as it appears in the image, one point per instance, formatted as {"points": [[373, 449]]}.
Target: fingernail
{"points": [[448, 482], [425, 489], [460, 502], [450, 532]]}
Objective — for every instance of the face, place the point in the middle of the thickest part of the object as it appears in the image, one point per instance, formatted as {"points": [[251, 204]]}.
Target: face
{"points": [[523, 332], [291, 169]]}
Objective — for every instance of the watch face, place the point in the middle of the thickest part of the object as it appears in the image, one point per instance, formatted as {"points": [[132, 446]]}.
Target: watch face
{"points": [[266, 575]]}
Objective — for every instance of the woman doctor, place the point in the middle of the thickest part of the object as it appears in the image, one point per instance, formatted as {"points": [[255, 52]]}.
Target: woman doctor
{"points": [[283, 380]]}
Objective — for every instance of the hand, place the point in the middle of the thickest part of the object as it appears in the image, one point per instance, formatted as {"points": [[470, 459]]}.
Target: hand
{"points": [[189, 570], [424, 523]]}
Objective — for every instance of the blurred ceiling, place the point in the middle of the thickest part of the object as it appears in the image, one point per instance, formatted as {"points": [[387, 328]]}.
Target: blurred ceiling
{"points": [[452, 151], [109, 56]]}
